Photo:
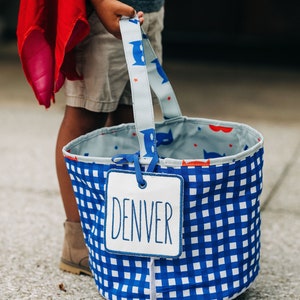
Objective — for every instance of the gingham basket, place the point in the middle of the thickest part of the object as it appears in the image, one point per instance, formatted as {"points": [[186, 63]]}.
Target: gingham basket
{"points": [[218, 168]]}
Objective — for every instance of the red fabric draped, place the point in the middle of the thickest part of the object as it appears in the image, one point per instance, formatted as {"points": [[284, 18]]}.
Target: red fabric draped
{"points": [[47, 31]]}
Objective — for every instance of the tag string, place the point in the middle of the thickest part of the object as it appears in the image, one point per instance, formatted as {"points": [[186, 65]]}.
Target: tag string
{"points": [[134, 158]]}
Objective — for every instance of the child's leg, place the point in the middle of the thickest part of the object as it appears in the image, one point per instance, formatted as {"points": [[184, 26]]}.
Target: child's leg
{"points": [[123, 114], [76, 122]]}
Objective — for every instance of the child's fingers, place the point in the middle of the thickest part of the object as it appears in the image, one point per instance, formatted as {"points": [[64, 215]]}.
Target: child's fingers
{"points": [[125, 10]]}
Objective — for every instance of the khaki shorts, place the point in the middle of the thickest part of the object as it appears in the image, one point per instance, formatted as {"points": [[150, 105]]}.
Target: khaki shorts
{"points": [[100, 61]]}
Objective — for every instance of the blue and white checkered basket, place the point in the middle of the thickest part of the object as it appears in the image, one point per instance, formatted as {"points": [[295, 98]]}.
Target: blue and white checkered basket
{"points": [[219, 165]]}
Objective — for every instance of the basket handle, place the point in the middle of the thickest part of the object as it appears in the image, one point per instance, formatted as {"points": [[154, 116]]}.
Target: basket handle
{"points": [[138, 70], [160, 83]]}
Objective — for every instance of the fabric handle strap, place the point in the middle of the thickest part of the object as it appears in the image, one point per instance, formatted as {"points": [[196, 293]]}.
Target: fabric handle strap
{"points": [[160, 83], [140, 64], [140, 89]]}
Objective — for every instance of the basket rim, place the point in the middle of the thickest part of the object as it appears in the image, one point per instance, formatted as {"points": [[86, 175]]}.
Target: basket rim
{"points": [[167, 162]]}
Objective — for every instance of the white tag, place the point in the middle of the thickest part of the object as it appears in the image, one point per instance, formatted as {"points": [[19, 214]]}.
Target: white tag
{"points": [[144, 221]]}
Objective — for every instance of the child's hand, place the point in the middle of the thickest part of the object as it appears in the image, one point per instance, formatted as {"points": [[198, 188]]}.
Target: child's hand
{"points": [[110, 13]]}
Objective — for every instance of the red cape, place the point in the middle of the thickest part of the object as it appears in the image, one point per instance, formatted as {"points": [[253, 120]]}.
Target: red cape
{"points": [[47, 31]]}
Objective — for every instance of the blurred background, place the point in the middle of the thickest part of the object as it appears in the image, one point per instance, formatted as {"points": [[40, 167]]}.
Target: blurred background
{"points": [[266, 31], [8, 19]]}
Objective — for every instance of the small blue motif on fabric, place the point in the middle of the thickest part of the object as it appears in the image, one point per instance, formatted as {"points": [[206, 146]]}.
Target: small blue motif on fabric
{"points": [[164, 138], [134, 21], [149, 135], [137, 53], [160, 71], [212, 154]]}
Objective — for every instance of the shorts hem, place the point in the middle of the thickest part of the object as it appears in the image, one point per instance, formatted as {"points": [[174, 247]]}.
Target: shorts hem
{"points": [[92, 105]]}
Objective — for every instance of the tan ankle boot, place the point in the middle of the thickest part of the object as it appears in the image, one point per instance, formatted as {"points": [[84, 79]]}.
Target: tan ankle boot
{"points": [[75, 256]]}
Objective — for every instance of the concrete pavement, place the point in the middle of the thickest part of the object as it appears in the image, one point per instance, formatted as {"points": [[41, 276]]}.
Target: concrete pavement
{"points": [[31, 213]]}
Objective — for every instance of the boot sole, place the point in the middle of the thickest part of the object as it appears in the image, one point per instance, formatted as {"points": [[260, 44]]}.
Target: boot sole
{"points": [[74, 269]]}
